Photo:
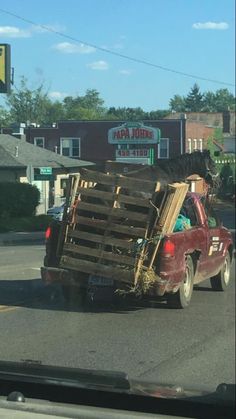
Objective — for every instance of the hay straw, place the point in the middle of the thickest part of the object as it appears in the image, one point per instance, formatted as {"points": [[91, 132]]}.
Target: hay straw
{"points": [[146, 280]]}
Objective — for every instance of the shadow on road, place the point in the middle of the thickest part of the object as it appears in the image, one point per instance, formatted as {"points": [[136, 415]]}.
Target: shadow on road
{"points": [[34, 294]]}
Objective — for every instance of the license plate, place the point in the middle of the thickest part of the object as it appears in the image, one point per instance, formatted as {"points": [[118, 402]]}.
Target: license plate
{"points": [[100, 281]]}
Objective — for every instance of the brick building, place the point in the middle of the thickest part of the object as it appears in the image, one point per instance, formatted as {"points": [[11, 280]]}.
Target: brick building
{"points": [[88, 140]]}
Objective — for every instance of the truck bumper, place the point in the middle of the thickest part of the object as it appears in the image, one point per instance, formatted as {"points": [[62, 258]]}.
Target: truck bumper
{"points": [[51, 275]]}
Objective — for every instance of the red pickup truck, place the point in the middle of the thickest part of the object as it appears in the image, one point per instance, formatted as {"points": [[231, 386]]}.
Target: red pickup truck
{"points": [[185, 258]]}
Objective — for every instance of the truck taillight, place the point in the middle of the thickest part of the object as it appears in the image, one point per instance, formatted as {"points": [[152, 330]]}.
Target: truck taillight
{"points": [[168, 248], [48, 233]]}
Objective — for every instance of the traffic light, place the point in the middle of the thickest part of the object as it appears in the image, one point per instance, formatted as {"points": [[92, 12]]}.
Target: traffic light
{"points": [[5, 68]]}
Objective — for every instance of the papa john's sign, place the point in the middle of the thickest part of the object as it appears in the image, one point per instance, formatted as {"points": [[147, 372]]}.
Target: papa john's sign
{"points": [[133, 133]]}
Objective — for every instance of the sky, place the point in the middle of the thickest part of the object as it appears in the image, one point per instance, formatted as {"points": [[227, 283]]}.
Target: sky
{"points": [[74, 45]]}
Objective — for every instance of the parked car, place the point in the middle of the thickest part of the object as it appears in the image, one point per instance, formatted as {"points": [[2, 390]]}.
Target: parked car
{"points": [[56, 212]]}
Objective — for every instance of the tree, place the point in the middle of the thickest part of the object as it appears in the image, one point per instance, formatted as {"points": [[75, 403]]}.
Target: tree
{"points": [[209, 102], [127, 114], [194, 100], [27, 105], [220, 101], [89, 106], [159, 114], [224, 100], [54, 112], [5, 118], [178, 103]]}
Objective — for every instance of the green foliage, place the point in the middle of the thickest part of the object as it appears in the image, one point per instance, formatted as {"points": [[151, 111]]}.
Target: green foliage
{"points": [[34, 106], [194, 100], [177, 103], [220, 101], [5, 118], [26, 105], [87, 107], [54, 111], [218, 136], [18, 199]]}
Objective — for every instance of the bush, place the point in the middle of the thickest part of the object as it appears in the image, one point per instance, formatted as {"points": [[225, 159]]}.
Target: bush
{"points": [[18, 199]]}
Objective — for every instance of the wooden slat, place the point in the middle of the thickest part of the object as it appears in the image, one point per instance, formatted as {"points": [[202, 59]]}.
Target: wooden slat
{"points": [[107, 271], [119, 180], [114, 212], [110, 196], [87, 251], [170, 209], [96, 238], [118, 228]]}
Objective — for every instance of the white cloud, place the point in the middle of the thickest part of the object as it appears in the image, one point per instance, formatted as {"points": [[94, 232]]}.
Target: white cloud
{"points": [[14, 32], [98, 65], [57, 95], [211, 25], [69, 48], [125, 72]]}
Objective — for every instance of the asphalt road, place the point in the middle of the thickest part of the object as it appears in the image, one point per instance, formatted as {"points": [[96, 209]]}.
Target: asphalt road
{"points": [[194, 347]]}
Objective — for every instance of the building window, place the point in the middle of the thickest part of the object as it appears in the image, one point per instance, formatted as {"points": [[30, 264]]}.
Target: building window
{"points": [[189, 150], [200, 144], [70, 147], [163, 148], [195, 144], [39, 142]]}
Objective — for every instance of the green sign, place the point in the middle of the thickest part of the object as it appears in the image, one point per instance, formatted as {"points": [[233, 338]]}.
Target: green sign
{"points": [[43, 173], [44, 177], [45, 170]]}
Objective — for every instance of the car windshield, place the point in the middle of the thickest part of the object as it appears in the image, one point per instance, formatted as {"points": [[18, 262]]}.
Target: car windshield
{"points": [[117, 188]]}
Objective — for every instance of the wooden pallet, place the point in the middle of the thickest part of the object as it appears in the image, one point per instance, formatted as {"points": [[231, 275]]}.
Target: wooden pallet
{"points": [[105, 243]]}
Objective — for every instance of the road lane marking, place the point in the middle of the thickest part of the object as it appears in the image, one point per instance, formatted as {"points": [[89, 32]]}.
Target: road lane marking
{"points": [[4, 309], [10, 307]]}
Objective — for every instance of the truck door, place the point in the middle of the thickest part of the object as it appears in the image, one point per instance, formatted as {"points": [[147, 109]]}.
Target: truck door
{"points": [[198, 235], [215, 243]]}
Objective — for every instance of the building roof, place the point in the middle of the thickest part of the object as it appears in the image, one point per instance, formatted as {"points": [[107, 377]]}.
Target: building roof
{"points": [[20, 154]]}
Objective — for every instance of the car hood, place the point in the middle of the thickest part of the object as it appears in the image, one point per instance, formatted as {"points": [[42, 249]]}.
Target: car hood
{"points": [[34, 372]]}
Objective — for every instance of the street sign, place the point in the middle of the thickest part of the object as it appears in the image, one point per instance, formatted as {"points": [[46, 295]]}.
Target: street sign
{"points": [[45, 170], [43, 173], [43, 177]]}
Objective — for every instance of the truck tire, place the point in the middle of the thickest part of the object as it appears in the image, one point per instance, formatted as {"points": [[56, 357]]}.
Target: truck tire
{"points": [[182, 298], [73, 295], [221, 281]]}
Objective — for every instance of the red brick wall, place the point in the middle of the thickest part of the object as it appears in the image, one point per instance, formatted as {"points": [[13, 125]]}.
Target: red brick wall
{"points": [[196, 130]]}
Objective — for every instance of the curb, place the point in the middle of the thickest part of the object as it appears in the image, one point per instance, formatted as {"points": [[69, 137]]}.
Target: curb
{"points": [[22, 238]]}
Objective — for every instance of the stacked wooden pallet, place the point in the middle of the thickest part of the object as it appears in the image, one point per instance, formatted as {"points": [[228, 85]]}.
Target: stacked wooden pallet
{"points": [[100, 235], [100, 238]]}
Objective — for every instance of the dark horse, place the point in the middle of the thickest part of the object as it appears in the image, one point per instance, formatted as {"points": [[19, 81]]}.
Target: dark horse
{"points": [[166, 171], [179, 168]]}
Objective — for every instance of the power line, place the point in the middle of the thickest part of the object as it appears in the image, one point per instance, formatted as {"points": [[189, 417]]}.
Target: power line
{"points": [[117, 54]]}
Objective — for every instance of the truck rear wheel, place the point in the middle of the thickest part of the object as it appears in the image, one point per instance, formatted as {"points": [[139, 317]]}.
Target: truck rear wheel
{"points": [[221, 281], [73, 295], [182, 298]]}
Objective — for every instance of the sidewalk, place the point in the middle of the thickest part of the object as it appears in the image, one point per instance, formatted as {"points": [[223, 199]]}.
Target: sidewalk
{"points": [[22, 238]]}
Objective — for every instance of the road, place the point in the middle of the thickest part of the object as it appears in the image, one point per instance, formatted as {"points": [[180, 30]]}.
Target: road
{"points": [[193, 347]]}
